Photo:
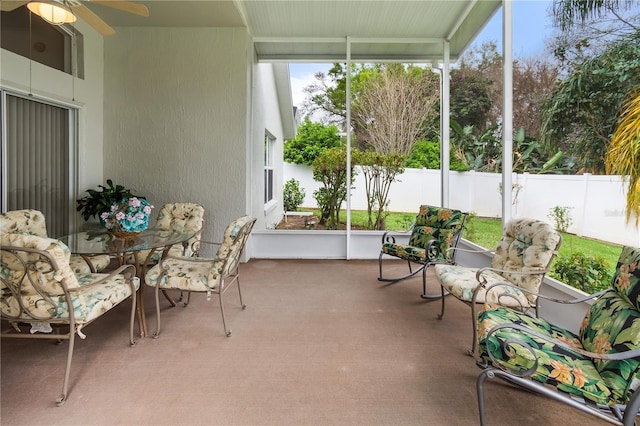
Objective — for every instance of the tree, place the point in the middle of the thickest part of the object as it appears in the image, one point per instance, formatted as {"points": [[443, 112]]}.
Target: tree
{"points": [[379, 171], [476, 90], [391, 107], [330, 168], [312, 139], [623, 156], [580, 114]]}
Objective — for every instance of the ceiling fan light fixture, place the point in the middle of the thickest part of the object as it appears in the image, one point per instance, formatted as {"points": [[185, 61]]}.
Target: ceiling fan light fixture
{"points": [[53, 13]]}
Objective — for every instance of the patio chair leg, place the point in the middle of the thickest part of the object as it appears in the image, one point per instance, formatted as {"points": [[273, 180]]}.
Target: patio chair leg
{"points": [[157, 332], [441, 314], [475, 330], [65, 383], [132, 342], [424, 294], [224, 322], [480, 392], [240, 293]]}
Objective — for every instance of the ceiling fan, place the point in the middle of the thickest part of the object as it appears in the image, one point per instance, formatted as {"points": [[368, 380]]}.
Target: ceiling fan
{"points": [[59, 12]]}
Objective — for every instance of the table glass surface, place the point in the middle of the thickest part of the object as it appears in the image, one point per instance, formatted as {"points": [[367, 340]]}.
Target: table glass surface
{"points": [[102, 242]]}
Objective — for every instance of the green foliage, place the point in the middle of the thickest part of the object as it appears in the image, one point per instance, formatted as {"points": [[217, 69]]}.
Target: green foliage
{"points": [[587, 273], [580, 115], [312, 139], [470, 101], [427, 154], [293, 195], [330, 168], [379, 172], [561, 216], [101, 200]]}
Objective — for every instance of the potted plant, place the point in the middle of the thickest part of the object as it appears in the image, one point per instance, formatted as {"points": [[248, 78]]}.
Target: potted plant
{"points": [[100, 200]]}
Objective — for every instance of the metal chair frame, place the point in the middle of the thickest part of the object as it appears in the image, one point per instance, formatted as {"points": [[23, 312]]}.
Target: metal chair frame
{"points": [[24, 315], [229, 272], [433, 253], [617, 414]]}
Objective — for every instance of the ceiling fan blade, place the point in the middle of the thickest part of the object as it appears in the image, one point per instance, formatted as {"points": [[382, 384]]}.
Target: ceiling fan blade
{"points": [[127, 6], [8, 5], [93, 20]]}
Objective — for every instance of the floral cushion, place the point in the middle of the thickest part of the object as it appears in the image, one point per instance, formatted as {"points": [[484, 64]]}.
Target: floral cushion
{"points": [[432, 223], [202, 274], [612, 325], [461, 282], [567, 370], [25, 221], [626, 279], [526, 245], [47, 301], [44, 277], [33, 222], [181, 217]]}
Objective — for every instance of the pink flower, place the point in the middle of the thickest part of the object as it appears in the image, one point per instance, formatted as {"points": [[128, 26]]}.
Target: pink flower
{"points": [[119, 216]]}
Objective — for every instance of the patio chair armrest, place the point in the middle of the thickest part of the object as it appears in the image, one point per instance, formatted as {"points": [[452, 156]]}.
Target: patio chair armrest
{"points": [[482, 280], [390, 236], [128, 270], [501, 285], [470, 250], [508, 344]]}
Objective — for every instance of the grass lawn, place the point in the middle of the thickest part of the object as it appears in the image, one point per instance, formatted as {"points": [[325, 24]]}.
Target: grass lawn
{"points": [[487, 231]]}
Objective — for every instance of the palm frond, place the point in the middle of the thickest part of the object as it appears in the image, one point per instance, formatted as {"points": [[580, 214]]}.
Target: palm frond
{"points": [[623, 156]]}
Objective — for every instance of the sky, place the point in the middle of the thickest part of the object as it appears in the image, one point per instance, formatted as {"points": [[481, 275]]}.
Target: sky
{"points": [[531, 26]]}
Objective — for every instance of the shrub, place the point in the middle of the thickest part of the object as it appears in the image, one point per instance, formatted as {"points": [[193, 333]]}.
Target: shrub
{"points": [[311, 141], [427, 154], [293, 195], [561, 216], [587, 273]]}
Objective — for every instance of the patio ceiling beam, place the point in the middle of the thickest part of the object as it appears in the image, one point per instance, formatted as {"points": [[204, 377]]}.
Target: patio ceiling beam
{"points": [[463, 16]]}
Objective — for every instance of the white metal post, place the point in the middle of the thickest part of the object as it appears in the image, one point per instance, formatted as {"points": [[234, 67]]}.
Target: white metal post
{"points": [[507, 110], [444, 126]]}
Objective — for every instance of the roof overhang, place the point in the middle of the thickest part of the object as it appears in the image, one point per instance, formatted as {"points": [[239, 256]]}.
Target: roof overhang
{"points": [[330, 30]]}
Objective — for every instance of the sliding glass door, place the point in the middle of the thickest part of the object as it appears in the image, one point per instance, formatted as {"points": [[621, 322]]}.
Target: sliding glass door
{"points": [[37, 152]]}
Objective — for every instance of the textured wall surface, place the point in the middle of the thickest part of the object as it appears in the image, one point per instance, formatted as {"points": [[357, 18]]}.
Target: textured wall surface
{"points": [[176, 117]]}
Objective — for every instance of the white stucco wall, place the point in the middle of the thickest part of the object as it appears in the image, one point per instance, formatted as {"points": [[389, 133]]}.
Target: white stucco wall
{"points": [[176, 117], [266, 116], [19, 75]]}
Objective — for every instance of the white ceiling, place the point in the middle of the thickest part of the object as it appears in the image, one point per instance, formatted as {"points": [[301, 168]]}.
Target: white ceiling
{"points": [[317, 30]]}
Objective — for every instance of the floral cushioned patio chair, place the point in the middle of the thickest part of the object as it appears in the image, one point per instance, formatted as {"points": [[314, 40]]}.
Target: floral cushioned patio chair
{"points": [[38, 287], [180, 217], [521, 258], [432, 234], [33, 222], [596, 370], [204, 275]]}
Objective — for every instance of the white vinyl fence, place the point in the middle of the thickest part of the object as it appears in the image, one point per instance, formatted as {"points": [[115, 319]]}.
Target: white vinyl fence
{"points": [[597, 202]]}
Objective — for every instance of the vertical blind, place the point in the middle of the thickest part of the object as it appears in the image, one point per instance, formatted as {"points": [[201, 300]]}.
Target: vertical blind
{"points": [[37, 161]]}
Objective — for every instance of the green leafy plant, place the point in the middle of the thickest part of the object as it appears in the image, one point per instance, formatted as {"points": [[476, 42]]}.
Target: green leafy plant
{"points": [[561, 216], [293, 195], [101, 200], [587, 273], [330, 168]]}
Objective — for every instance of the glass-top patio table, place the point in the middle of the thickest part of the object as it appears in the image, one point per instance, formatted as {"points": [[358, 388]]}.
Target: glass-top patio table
{"points": [[137, 250]]}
